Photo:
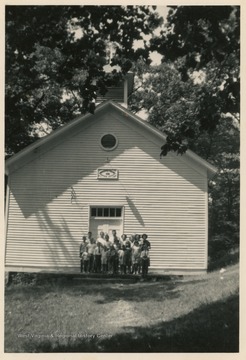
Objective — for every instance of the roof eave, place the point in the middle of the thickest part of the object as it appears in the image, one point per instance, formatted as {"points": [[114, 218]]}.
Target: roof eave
{"points": [[81, 118], [212, 170], [54, 134]]}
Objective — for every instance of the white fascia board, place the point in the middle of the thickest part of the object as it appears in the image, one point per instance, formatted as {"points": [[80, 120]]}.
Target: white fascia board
{"points": [[48, 138], [81, 118]]}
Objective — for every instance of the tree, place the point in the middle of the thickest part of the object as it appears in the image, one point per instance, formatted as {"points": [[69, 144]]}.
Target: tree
{"points": [[55, 57], [170, 102], [194, 98], [173, 107], [204, 41]]}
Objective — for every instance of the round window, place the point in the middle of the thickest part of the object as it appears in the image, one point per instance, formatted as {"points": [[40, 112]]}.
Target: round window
{"points": [[108, 142]]}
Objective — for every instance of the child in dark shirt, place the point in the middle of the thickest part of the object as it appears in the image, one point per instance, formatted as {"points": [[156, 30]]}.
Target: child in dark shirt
{"points": [[145, 241], [83, 244], [98, 257], [82, 248], [113, 260], [128, 259], [144, 260]]}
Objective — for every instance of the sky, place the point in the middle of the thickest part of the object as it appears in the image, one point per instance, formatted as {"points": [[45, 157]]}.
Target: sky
{"points": [[154, 56]]}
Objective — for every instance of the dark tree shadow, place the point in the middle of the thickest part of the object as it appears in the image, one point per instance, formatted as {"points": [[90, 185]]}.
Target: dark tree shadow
{"points": [[63, 183], [110, 292], [210, 328], [135, 211], [47, 184]]}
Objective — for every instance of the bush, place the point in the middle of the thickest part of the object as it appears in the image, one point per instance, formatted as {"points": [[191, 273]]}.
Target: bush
{"points": [[19, 278], [224, 260], [221, 245]]}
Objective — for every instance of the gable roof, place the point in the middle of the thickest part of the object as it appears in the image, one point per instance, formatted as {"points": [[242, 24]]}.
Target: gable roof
{"points": [[24, 155]]}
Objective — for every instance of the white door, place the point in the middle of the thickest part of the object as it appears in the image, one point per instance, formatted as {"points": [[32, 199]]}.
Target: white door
{"points": [[98, 225]]}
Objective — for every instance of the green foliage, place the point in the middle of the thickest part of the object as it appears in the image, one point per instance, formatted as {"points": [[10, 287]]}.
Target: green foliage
{"points": [[173, 106], [171, 103], [204, 40], [193, 97], [222, 253], [17, 278], [55, 57]]}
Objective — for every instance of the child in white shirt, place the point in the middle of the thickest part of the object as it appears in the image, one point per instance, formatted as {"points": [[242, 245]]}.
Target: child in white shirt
{"points": [[85, 261], [121, 255], [136, 258], [104, 259]]}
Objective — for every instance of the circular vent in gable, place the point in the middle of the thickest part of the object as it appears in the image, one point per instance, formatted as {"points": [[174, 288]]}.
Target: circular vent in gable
{"points": [[109, 142]]}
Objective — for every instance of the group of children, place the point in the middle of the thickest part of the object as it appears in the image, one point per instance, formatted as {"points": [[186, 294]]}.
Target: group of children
{"points": [[114, 255]]}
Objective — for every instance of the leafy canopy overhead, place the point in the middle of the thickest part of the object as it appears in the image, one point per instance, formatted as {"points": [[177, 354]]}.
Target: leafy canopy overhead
{"points": [[55, 57], [193, 96], [203, 42]]}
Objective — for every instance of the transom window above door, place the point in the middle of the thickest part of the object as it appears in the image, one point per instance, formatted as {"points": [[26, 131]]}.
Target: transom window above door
{"points": [[114, 212]]}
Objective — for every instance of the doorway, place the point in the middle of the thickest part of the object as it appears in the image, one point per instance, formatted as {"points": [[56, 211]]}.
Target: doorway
{"points": [[106, 219]]}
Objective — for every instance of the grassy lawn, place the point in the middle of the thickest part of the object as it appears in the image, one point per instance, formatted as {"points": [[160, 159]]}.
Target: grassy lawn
{"points": [[61, 314]]}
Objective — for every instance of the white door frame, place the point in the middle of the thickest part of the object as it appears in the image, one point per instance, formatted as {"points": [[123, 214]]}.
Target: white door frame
{"points": [[122, 218]]}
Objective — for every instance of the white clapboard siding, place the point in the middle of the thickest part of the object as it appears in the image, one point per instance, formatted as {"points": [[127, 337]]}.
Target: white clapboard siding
{"points": [[165, 198]]}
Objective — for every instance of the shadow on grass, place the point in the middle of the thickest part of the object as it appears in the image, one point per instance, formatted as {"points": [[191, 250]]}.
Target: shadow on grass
{"points": [[108, 292], [131, 291], [210, 328]]}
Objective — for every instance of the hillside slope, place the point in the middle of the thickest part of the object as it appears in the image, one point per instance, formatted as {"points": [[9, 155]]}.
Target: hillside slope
{"points": [[190, 314]]}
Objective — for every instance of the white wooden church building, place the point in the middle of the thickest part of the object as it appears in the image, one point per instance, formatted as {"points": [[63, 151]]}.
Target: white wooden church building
{"points": [[104, 172]]}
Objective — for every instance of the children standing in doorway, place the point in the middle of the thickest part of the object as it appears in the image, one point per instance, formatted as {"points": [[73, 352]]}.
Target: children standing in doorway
{"points": [[113, 260], [98, 257], [114, 236], [128, 258], [104, 259], [130, 254], [121, 255], [101, 238]]}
